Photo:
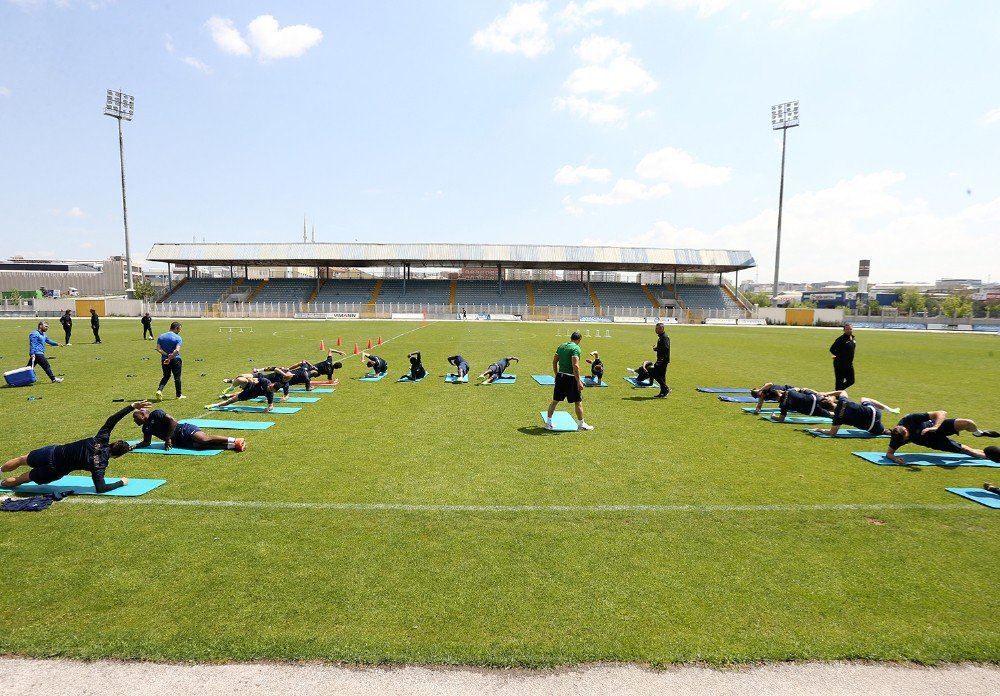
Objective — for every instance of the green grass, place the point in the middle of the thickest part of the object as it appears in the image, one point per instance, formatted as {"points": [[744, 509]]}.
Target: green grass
{"points": [[516, 587]]}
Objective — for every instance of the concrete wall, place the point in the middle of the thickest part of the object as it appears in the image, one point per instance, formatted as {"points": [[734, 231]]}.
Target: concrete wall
{"points": [[801, 317]]}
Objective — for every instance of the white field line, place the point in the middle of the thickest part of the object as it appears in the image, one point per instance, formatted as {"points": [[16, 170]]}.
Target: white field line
{"points": [[517, 509]]}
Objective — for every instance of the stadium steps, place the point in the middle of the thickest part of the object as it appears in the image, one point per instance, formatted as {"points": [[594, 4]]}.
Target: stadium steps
{"points": [[530, 289], [649, 293], [319, 286], [375, 291], [171, 291], [256, 290], [452, 289], [735, 297], [593, 298]]}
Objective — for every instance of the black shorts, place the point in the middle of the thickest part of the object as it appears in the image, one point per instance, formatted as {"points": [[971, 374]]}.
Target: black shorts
{"points": [[43, 469], [566, 389], [941, 441]]}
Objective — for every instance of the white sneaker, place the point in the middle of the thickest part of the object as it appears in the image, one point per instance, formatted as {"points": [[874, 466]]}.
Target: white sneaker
{"points": [[892, 410], [548, 425], [181, 397], [57, 380], [584, 426]]}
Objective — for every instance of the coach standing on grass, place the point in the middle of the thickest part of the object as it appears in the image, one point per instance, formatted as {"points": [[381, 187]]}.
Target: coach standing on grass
{"points": [[95, 325], [168, 345], [37, 340], [662, 349], [568, 384], [843, 358], [67, 323]]}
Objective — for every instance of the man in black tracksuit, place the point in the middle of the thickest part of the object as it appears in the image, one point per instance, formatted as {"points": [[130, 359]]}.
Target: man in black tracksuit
{"points": [[843, 358], [659, 371], [95, 325], [67, 323]]}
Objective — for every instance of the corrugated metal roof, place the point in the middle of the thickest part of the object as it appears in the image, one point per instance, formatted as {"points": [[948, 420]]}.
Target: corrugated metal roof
{"points": [[451, 255]]}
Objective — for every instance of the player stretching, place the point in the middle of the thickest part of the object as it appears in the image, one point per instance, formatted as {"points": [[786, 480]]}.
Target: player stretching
{"points": [[161, 424], [496, 370]]}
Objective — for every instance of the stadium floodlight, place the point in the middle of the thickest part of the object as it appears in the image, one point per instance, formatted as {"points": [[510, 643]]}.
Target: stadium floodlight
{"points": [[121, 107], [783, 117]]}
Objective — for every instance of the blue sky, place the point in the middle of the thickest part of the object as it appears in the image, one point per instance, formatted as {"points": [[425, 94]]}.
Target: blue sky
{"points": [[628, 122]]}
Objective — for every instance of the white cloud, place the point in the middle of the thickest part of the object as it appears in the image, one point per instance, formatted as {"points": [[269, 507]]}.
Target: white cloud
{"points": [[273, 42], [227, 37], [678, 167], [570, 207], [522, 30], [196, 64], [269, 40], [581, 15], [627, 191], [4, 91], [826, 9], [596, 112], [569, 174], [75, 213], [168, 43], [609, 69], [991, 117]]}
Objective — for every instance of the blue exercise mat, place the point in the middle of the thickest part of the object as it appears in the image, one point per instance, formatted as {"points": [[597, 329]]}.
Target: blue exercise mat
{"points": [[741, 399], [157, 448], [723, 390], [454, 379], [751, 409], [227, 424], [406, 378], [799, 420], [504, 379], [84, 485], [588, 382], [544, 380], [846, 434], [314, 390], [289, 400], [372, 377], [978, 495], [632, 381], [561, 421], [944, 459], [234, 408]]}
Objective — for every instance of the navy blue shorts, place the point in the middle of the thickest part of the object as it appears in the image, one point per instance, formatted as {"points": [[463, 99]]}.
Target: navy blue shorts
{"points": [[940, 441], [184, 436], [43, 469]]}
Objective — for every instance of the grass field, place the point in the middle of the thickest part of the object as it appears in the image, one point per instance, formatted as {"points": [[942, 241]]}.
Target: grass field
{"points": [[437, 523]]}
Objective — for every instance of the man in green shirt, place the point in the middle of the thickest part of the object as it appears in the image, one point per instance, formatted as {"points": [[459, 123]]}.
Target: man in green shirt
{"points": [[568, 385]]}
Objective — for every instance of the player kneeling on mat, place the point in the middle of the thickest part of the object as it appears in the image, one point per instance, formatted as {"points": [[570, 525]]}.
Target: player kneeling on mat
{"points": [[932, 430], [161, 424], [48, 464]]}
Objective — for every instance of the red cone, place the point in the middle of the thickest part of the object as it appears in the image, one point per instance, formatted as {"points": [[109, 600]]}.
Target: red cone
{"points": [[379, 340], [322, 345], [369, 344], [338, 342], [355, 348]]}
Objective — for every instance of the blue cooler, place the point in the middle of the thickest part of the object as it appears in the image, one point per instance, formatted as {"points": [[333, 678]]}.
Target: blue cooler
{"points": [[21, 377]]}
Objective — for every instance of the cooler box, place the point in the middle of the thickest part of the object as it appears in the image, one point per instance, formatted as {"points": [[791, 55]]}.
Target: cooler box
{"points": [[21, 377]]}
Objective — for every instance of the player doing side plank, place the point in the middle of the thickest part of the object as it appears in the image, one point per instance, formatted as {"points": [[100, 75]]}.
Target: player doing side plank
{"points": [[496, 370], [932, 430], [865, 414], [253, 387], [48, 464], [161, 424]]}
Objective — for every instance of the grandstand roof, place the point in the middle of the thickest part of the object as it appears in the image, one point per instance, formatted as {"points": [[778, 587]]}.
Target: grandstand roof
{"points": [[596, 258]]}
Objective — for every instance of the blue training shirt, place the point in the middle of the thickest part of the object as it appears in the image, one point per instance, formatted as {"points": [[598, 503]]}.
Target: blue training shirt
{"points": [[168, 341], [37, 341]]}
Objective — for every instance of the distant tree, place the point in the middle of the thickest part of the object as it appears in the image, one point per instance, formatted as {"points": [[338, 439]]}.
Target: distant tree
{"points": [[761, 299], [911, 301], [957, 306], [852, 287], [806, 304], [992, 308], [15, 296], [144, 290], [874, 308]]}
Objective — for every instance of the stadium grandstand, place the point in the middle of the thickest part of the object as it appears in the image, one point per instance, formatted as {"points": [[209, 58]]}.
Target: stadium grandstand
{"points": [[505, 280]]}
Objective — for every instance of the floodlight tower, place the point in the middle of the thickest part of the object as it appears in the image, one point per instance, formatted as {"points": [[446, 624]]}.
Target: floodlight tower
{"points": [[783, 117], [121, 106]]}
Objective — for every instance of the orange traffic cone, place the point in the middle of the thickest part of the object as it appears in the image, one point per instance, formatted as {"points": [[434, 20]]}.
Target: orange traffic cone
{"points": [[379, 340], [355, 348], [322, 345], [369, 344], [338, 342]]}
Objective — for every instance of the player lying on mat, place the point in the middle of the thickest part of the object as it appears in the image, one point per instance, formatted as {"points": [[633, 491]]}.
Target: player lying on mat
{"points": [[596, 367], [864, 415], [496, 370], [990, 487], [462, 365], [769, 391], [48, 464], [278, 375], [643, 374], [377, 364], [253, 386], [161, 424], [804, 401], [933, 429], [417, 370], [299, 373]]}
